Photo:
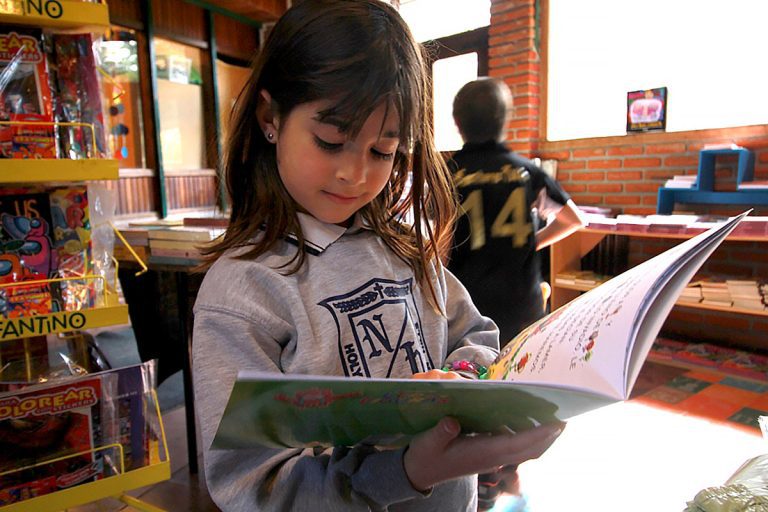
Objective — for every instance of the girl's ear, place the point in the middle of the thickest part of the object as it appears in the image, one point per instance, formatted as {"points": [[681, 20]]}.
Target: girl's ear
{"points": [[266, 116]]}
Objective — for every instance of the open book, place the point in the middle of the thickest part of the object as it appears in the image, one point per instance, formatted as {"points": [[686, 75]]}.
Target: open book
{"points": [[585, 355]]}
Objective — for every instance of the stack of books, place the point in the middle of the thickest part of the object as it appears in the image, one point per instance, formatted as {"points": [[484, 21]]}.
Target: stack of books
{"points": [[681, 181], [580, 278], [138, 239], [715, 293], [183, 242], [691, 294], [746, 294], [754, 185]]}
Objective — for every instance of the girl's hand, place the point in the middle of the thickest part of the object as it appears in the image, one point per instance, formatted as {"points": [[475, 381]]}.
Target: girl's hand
{"points": [[442, 454], [437, 375]]}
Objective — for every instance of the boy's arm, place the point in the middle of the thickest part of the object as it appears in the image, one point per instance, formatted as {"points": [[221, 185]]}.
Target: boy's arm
{"points": [[562, 221]]}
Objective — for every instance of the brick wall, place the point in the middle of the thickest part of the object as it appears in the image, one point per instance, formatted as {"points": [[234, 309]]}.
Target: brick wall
{"points": [[625, 172]]}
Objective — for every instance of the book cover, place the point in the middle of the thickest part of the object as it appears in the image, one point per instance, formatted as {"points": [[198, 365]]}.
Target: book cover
{"points": [[585, 355], [25, 95], [185, 234], [27, 253], [63, 424]]}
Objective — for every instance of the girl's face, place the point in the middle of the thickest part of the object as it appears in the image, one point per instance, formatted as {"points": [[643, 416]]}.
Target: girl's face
{"points": [[329, 174]]}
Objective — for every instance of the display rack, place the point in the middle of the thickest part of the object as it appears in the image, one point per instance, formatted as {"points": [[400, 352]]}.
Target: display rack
{"points": [[703, 191], [93, 17]]}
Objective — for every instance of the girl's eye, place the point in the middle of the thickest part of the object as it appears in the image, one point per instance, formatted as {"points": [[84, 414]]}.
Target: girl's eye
{"points": [[327, 146], [382, 156]]}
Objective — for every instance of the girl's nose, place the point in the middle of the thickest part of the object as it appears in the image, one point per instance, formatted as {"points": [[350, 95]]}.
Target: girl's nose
{"points": [[352, 169]]}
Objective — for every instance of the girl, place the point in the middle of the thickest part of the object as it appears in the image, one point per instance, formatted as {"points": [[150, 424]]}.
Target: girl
{"points": [[317, 275]]}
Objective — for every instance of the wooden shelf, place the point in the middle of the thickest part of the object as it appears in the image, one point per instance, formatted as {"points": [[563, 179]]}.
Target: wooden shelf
{"points": [[566, 256], [57, 14], [56, 170], [679, 236]]}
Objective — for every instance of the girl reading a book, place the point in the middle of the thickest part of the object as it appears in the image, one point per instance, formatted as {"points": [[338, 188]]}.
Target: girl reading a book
{"points": [[319, 272]]}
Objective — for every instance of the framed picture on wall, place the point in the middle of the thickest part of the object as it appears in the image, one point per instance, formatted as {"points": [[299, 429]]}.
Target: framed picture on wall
{"points": [[647, 110]]}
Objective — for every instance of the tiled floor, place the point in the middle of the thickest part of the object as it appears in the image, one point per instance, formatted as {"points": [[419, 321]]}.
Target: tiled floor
{"points": [[683, 430]]}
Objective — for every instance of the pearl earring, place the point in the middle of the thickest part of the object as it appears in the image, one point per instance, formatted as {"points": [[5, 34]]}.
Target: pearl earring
{"points": [[270, 136]]}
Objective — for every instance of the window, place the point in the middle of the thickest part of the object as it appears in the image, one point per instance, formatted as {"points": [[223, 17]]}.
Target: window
{"points": [[180, 102], [449, 75], [455, 16], [122, 96], [704, 52], [460, 47]]}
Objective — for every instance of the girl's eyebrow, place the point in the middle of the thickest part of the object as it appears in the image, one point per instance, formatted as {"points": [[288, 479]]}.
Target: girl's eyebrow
{"points": [[342, 126]]}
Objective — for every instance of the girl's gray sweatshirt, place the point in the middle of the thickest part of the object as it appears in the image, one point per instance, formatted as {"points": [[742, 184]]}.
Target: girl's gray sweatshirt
{"points": [[353, 309]]}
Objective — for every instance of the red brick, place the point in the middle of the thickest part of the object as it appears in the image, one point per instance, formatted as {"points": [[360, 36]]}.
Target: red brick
{"points": [[604, 164], [657, 175], [588, 176], [624, 150], [557, 155], [526, 111], [622, 199], [509, 37], [510, 26], [624, 175], [500, 72], [522, 123], [639, 211], [526, 134], [587, 199], [525, 89], [681, 161], [642, 162], [505, 49], [586, 153], [573, 188], [572, 164], [649, 199], [654, 149], [605, 187], [642, 187]]}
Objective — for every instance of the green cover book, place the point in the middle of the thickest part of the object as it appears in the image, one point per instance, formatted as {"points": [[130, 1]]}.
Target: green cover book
{"points": [[585, 355]]}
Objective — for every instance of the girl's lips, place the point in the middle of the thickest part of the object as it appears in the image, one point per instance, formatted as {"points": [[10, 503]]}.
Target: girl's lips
{"points": [[340, 198]]}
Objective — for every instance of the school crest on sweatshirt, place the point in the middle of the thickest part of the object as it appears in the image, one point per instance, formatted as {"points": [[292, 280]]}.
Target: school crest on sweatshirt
{"points": [[379, 329]]}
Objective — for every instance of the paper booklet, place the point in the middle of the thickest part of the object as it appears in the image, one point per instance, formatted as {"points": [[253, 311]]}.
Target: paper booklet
{"points": [[585, 355]]}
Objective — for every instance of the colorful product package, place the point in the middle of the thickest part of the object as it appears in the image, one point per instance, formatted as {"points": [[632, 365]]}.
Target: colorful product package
{"points": [[25, 96], [79, 96], [51, 436], [26, 253]]}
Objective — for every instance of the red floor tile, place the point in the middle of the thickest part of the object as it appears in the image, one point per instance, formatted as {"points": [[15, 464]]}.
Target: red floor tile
{"points": [[729, 394], [707, 407]]}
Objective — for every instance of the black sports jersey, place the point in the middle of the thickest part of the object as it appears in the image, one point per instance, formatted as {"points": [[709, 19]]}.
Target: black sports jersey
{"points": [[494, 250]]}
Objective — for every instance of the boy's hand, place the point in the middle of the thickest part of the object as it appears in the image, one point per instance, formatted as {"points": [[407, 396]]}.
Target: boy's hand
{"points": [[441, 454]]}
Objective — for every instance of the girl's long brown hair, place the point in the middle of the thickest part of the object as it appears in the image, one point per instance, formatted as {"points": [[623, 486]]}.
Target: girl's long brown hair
{"points": [[360, 54]]}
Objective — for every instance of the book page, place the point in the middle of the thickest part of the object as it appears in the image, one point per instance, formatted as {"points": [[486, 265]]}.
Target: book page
{"points": [[590, 343], [582, 345]]}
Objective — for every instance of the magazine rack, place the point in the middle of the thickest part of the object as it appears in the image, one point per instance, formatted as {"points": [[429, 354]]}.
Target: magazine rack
{"points": [[703, 191], [105, 310], [158, 470]]}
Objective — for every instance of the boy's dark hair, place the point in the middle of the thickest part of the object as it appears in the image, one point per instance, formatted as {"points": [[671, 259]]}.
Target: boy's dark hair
{"points": [[481, 109], [359, 54]]}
